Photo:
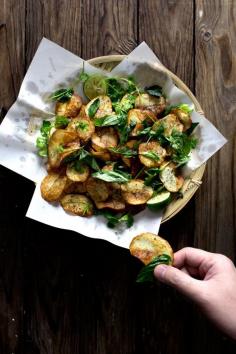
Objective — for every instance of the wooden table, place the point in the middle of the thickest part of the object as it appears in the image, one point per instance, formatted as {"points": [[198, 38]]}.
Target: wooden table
{"points": [[61, 293]]}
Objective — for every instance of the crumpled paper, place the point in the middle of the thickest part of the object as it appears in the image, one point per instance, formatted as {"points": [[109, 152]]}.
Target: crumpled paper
{"points": [[53, 67]]}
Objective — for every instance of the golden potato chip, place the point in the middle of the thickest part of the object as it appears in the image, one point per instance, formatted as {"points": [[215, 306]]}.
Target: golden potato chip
{"points": [[52, 186], [146, 246]]}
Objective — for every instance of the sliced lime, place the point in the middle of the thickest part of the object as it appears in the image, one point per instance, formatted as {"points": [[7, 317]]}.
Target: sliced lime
{"points": [[159, 201], [95, 86]]}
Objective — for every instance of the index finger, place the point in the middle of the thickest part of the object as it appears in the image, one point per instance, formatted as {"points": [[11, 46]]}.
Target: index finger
{"points": [[190, 256]]}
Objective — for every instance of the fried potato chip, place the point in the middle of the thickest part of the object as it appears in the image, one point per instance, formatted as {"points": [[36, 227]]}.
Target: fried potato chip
{"points": [[83, 126], [104, 109], [151, 103], [104, 138], [183, 117], [156, 152], [98, 190], [171, 182], [77, 204], [146, 246], [80, 174], [61, 144], [135, 192], [70, 108], [74, 187], [52, 186], [170, 123]]}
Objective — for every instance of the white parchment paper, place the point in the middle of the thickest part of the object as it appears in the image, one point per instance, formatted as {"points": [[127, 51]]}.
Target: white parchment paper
{"points": [[53, 67]]}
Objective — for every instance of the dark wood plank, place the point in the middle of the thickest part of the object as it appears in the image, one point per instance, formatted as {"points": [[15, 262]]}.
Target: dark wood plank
{"points": [[171, 36], [59, 21], [76, 303], [167, 27], [216, 90], [108, 27], [12, 196], [12, 45]]}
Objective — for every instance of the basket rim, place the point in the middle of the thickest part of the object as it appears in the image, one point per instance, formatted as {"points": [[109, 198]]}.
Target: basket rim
{"points": [[194, 187]]}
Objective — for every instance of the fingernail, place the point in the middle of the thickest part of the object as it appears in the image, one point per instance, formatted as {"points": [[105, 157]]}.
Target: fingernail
{"points": [[160, 271]]}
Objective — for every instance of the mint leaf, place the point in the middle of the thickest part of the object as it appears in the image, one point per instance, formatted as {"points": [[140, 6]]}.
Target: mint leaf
{"points": [[62, 95]]}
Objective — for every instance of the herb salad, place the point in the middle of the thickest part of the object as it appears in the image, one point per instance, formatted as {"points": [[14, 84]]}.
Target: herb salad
{"points": [[117, 154]]}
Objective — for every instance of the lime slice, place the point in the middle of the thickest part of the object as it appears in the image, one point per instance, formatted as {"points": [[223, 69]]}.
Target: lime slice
{"points": [[95, 86], [159, 201]]}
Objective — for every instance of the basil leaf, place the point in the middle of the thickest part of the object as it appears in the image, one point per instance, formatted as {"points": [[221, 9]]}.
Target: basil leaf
{"points": [[115, 89], [82, 126], [113, 176], [125, 104], [46, 128], [124, 130], [146, 273], [88, 159], [107, 121], [62, 95], [42, 140], [151, 155], [154, 90], [114, 220], [93, 108], [128, 219], [83, 76], [182, 144], [125, 151], [93, 164], [61, 122]]}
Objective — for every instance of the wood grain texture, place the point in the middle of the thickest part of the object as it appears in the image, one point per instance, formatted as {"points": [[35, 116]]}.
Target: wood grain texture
{"points": [[12, 46], [73, 295], [216, 90], [59, 21], [108, 27], [12, 65], [168, 26]]}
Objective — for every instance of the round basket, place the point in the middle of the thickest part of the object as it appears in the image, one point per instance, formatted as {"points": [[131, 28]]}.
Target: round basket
{"points": [[193, 182]]}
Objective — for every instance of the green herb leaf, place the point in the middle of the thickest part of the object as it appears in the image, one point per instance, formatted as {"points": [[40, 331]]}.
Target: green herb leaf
{"points": [[151, 155], [125, 151], [115, 89], [93, 108], [61, 122], [113, 176], [86, 158], [183, 106], [146, 273], [182, 144], [82, 126], [42, 141], [83, 76], [126, 103], [114, 220], [107, 121], [124, 130], [152, 178], [62, 95], [154, 90]]}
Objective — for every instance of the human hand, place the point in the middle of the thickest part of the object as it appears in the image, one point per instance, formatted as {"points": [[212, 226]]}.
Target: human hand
{"points": [[209, 280]]}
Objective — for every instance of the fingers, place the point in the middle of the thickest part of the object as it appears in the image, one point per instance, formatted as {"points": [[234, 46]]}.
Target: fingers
{"points": [[192, 257], [179, 280]]}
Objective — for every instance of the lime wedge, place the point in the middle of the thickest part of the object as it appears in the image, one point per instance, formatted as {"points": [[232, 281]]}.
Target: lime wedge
{"points": [[95, 86], [159, 201]]}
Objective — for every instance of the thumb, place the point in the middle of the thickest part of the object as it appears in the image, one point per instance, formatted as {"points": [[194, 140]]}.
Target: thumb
{"points": [[179, 280]]}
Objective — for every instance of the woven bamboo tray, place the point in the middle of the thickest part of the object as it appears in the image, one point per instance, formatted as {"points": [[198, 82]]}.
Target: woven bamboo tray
{"points": [[195, 179]]}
